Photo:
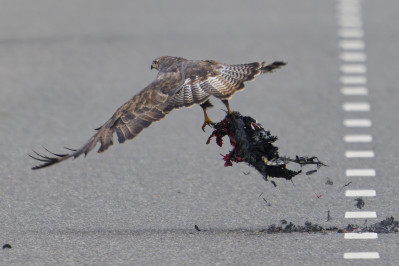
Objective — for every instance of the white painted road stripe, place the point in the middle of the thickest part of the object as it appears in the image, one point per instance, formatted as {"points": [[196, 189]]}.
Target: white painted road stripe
{"points": [[360, 172], [357, 122], [353, 57], [348, 7], [366, 235], [361, 255], [350, 3], [359, 154], [353, 68], [363, 214], [348, 22], [347, 12], [354, 91], [358, 138], [351, 33], [353, 80], [360, 193], [356, 107], [352, 45]]}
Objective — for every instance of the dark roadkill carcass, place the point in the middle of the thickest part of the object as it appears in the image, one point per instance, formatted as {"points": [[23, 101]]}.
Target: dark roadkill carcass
{"points": [[254, 145]]}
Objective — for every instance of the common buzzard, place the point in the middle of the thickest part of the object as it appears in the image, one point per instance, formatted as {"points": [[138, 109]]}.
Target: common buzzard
{"points": [[179, 83]]}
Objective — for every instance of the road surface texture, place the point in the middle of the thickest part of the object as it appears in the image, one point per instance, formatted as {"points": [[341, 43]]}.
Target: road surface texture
{"points": [[66, 66]]}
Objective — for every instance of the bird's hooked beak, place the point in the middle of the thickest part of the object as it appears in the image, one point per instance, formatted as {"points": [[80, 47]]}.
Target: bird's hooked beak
{"points": [[153, 65]]}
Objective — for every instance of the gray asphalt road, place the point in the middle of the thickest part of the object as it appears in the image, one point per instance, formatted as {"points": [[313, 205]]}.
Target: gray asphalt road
{"points": [[65, 66]]}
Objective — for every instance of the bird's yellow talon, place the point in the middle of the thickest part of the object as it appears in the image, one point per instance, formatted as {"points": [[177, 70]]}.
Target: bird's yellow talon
{"points": [[207, 122]]}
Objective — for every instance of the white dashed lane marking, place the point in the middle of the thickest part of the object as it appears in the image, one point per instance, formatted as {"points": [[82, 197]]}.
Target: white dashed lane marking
{"points": [[356, 107], [353, 80], [350, 22], [359, 154], [350, 33], [353, 69], [356, 91], [360, 172], [361, 255], [353, 56], [357, 122], [360, 193], [358, 138], [352, 44], [360, 214], [360, 236]]}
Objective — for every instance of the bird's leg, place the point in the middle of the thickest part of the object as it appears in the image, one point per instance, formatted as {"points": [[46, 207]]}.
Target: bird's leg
{"points": [[207, 120], [226, 102]]}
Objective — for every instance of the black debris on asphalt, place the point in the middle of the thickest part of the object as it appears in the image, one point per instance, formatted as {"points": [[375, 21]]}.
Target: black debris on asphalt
{"points": [[389, 225], [286, 227], [197, 228], [254, 145], [328, 215], [329, 182], [359, 203], [346, 185], [5, 246], [311, 172]]}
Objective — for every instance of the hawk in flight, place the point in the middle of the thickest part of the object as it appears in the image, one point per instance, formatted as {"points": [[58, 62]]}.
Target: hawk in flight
{"points": [[179, 83]]}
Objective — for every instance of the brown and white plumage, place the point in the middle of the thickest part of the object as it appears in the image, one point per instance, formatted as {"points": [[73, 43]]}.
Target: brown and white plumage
{"points": [[179, 83]]}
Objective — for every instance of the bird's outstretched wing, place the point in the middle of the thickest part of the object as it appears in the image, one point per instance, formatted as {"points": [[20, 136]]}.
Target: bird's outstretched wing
{"points": [[191, 82], [212, 78], [232, 77], [150, 105]]}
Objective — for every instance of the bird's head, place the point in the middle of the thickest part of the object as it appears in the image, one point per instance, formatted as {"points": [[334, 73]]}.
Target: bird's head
{"points": [[164, 60], [158, 62], [155, 64]]}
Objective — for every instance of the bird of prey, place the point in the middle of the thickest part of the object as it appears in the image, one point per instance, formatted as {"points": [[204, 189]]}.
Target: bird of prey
{"points": [[179, 83]]}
